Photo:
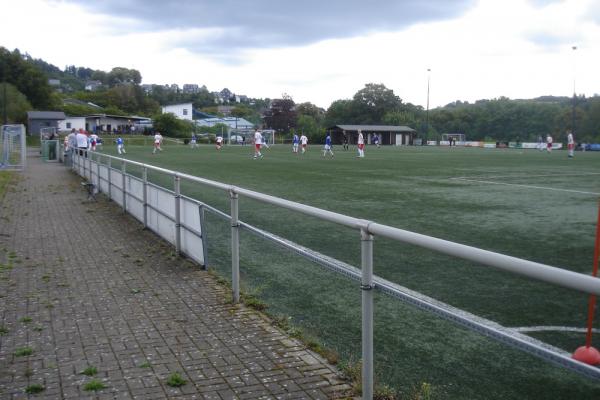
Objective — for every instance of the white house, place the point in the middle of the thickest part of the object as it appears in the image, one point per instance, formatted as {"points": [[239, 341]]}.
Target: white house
{"points": [[181, 111], [71, 123]]}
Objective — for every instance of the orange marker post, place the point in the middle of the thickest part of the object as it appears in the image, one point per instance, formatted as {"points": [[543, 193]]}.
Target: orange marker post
{"points": [[588, 354]]}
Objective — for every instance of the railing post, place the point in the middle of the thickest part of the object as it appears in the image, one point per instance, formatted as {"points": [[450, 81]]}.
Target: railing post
{"points": [[83, 164], [123, 189], [145, 196], [109, 167], [177, 183], [366, 250], [98, 172], [235, 247], [203, 237], [90, 155]]}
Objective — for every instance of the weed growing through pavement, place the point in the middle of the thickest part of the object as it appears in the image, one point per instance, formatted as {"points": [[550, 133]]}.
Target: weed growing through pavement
{"points": [[94, 385], [145, 365], [26, 320], [90, 371], [35, 388], [3, 330], [175, 380], [23, 351]]}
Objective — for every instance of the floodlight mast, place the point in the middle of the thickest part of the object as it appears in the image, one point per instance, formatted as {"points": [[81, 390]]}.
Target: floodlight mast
{"points": [[574, 91]]}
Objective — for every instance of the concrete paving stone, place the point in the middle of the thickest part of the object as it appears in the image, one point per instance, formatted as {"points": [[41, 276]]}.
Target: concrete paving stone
{"points": [[102, 291]]}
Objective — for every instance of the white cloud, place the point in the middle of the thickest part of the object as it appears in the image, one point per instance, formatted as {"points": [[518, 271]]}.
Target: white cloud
{"points": [[511, 48]]}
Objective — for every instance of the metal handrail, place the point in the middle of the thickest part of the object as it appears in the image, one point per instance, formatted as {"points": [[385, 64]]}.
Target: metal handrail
{"points": [[368, 229]]}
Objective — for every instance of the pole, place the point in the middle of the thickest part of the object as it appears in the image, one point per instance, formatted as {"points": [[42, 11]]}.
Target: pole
{"points": [[366, 250], [145, 197], [177, 184], [427, 112], [5, 102], [592, 301], [574, 92], [235, 247]]}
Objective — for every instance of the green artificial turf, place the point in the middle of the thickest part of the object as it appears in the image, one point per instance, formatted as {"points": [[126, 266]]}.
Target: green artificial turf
{"points": [[524, 203]]}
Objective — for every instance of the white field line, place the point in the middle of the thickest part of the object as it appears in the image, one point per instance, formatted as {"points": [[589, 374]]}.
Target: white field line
{"points": [[532, 176], [525, 329], [526, 186]]}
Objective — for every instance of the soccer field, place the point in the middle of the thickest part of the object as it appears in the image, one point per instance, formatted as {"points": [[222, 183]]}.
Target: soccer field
{"points": [[524, 203]]}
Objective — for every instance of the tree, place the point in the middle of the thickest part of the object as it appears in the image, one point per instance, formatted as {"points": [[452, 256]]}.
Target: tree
{"points": [[339, 112], [372, 102], [27, 79], [281, 116], [16, 104], [120, 75], [169, 125]]}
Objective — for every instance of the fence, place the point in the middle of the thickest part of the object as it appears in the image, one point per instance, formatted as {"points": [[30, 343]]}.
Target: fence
{"points": [[179, 220], [13, 150]]}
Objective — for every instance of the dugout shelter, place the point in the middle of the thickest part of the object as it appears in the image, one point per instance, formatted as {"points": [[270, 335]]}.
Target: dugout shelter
{"points": [[397, 135]]}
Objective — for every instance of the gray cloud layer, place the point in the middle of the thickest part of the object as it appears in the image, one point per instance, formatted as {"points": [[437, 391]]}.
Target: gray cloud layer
{"points": [[271, 23]]}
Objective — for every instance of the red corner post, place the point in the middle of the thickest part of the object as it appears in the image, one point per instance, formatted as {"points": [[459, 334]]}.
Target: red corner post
{"points": [[587, 353]]}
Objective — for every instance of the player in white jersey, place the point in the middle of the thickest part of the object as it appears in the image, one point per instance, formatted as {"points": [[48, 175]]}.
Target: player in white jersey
{"points": [[361, 144], [570, 144], [549, 144], [257, 144], [157, 142], [219, 142], [303, 142]]}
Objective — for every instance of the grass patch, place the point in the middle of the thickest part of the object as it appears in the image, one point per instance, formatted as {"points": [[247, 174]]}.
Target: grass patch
{"points": [[26, 320], [23, 351], [94, 385], [145, 365], [90, 371], [176, 380], [35, 388], [3, 330]]}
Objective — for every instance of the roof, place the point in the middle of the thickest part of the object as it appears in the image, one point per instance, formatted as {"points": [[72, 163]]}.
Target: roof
{"points": [[375, 128], [129, 117], [56, 115]]}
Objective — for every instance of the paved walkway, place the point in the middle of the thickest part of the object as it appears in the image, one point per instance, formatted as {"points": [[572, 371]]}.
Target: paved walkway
{"points": [[82, 285]]}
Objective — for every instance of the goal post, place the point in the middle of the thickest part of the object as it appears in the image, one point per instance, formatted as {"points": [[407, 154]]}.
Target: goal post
{"points": [[13, 148]]}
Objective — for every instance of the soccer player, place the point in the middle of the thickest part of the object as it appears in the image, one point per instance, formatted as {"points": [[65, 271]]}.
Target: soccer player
{"points": [[120, 146], [376, 140], [304, 142], [93, 141], [257, 144], [570, 144], [345, 142], [194, 141], [157, 142], [549, 144], [361, 145], [219, 142], [327, 147], [295, 142]]}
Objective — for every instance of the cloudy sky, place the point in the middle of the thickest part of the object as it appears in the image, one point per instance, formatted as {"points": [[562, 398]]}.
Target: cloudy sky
{"points": [[324, 50]]}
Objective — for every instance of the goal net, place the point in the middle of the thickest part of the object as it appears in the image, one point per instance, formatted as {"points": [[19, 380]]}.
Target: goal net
{"points": [[457, 138], [13, 150]]}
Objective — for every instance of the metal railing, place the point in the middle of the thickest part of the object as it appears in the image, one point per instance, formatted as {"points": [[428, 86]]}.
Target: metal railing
{"points": [[368, 282]]}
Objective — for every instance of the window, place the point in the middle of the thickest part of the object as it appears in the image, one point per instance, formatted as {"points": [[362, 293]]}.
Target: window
{"points": [[68, 125], [185, 111]]}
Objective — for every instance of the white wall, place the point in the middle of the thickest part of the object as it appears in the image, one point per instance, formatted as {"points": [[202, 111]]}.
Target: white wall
{"points": [[181, 111], [71, 123]]}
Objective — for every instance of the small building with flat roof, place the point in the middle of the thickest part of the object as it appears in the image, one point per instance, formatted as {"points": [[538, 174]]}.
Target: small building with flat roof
{"points": [[36, 120], [397, 135]]}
